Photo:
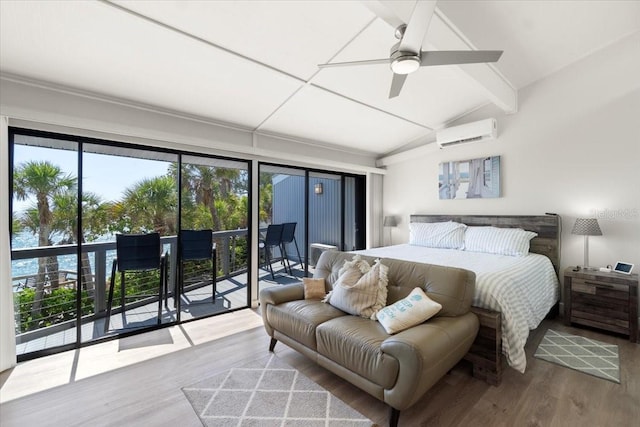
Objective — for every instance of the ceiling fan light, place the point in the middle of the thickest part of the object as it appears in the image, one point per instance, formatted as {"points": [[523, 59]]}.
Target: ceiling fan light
{"points": [[405, 64]]}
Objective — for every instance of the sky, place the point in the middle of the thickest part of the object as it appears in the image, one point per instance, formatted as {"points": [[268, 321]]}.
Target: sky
{"points": [[105, 175]]}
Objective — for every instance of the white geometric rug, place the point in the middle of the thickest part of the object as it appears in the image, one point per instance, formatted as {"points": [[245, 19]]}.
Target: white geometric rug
{"points": [[581, 354], [268, 393]]}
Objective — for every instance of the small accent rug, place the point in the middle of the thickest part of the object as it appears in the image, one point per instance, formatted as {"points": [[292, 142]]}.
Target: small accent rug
{"points": [[581, 354], [267, 393]]}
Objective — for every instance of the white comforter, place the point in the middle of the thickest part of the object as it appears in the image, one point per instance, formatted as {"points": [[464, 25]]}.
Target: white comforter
{"points": [[523, 289]]}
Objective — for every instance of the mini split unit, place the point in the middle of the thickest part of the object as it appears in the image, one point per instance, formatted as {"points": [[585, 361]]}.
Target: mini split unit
{"points": [[482, 130]]}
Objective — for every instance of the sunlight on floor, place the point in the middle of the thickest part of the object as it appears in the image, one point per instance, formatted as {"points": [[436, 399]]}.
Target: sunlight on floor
{"points": [[47, 372]]}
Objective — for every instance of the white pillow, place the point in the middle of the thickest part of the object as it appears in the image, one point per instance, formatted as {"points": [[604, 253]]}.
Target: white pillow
{"points": [[360, 290], [412, 310], [445, 235], [501, 241]]}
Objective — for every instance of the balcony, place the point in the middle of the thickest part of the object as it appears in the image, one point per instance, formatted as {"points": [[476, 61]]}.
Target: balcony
{"points": [[57, 324]]}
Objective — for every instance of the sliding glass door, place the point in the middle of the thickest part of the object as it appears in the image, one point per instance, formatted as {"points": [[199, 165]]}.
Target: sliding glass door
{"points": [[215, 197], [327, 210], [125, 191], [282, 201], [44, 239], [72, 199]]}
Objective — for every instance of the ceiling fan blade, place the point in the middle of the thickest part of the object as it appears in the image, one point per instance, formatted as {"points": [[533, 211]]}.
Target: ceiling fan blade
{"points": [[345, 64], [417, 26], [396, 84], [448, 57]]}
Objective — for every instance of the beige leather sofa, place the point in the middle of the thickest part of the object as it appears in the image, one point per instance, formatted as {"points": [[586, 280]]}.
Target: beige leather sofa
{"points": [[396, 369]]}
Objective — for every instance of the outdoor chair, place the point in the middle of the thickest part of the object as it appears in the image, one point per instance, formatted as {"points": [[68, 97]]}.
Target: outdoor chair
{"points": [[288, 236], [273, 239], [137, 253], [197, 245]]}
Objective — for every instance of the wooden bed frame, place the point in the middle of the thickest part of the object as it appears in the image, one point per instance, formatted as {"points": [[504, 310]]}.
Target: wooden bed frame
{"points": [[486, 351]]}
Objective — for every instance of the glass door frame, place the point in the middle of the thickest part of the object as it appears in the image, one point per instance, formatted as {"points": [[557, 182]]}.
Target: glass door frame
{"points": [[80, 140], [360, 205]]}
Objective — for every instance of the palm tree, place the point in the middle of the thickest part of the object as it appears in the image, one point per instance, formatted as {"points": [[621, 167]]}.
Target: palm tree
{"points": [[95, 223], [209, 186], [266, 197], [16, 226], [151, 205], [42, 180], [200, 181]]}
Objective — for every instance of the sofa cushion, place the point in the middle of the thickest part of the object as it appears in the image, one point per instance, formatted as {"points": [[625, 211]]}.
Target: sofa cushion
{"points": [[299, 319], [414, 309], [354, 342]]}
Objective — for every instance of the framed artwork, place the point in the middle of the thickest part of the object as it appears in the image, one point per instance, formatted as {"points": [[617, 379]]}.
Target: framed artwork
{"points": [[470, 179]]}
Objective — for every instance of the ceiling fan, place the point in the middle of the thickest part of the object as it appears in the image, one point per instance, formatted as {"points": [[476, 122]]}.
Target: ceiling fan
{"points": [[406, 55]]}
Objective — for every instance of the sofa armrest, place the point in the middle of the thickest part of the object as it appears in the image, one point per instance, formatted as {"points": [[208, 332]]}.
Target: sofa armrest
{"points": [[426, 352], [278, 295]]}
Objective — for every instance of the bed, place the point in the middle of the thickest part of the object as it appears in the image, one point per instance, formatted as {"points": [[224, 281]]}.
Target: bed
{"points": [[513, 294]]}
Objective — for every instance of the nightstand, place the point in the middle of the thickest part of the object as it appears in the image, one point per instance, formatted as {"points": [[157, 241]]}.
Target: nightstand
{"points": [[602, 300]]}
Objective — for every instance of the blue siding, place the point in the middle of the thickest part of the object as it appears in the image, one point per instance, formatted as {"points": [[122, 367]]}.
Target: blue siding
{"points": [[324, 209]]}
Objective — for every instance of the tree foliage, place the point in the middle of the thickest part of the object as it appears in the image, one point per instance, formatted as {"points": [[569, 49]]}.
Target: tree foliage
{"points": [[213, 197]]}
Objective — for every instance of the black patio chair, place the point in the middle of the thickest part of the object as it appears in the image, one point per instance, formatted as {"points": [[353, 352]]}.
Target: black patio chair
{"points": [[289, 236], [136, 253], [197, 245], [273, 239]]}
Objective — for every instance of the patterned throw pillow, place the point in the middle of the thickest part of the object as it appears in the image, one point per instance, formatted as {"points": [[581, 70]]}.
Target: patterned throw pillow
{"points": [[360, 290], [313, 288], [412, 310]]}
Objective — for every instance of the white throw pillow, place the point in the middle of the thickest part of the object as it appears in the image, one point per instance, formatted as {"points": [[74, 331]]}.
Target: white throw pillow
{"points": [[444, 235], [360, 290], [501, 241], [412, 310]]}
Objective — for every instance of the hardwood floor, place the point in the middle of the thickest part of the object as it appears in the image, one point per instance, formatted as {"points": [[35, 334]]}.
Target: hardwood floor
{"points": [[136, 382]]}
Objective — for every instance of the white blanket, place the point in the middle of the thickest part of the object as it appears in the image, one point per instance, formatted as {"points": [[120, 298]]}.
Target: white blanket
{"points": [[523, 289]]}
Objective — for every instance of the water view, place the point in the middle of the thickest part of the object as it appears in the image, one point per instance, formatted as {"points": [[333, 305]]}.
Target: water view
{"points": [[22, 269]]}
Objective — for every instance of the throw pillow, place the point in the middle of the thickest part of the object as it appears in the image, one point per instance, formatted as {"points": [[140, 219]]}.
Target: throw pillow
{"points": [[366, 295], [313, 288], [412, 310], [444, 235], [500, 241]]}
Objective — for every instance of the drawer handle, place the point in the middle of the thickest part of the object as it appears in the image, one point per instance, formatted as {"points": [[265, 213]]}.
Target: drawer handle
{"points": [[602, 285]]}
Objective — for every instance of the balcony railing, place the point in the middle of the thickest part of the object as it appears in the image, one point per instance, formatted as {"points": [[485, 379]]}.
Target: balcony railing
{"points": [[97, 286]]}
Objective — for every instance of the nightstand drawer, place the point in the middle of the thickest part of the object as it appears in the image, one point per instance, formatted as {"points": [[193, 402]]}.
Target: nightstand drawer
{"points": [[600, 314], [594, 302], [609, 290]]}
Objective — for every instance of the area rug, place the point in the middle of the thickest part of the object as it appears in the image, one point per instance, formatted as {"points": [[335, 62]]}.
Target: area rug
{"points": [[267, 393], [582, 354]]}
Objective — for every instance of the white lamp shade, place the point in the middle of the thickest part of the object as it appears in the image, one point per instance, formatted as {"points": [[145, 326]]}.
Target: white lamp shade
{"points": [[390, 221]]}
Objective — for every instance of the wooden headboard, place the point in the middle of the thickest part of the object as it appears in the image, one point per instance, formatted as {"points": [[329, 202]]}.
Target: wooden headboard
{"points": [[547, 242]]}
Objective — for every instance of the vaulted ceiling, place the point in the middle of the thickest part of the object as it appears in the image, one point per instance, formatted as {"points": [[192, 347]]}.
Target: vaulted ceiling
{"points": [[253, 64]]}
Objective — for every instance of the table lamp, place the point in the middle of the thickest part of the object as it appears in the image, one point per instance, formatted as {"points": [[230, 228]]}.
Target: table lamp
{"points": [[586, 227], [390, 221]]}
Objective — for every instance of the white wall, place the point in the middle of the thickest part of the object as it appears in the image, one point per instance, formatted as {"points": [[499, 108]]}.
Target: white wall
{"points": [[573, 149], [7, 333]]}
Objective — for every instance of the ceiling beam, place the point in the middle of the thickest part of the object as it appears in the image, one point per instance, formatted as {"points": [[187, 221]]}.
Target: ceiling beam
{"points": [[444, 35]]}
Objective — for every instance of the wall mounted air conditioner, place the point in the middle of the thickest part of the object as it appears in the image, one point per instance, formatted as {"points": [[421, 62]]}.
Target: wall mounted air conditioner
{"points": [[482, 130]]}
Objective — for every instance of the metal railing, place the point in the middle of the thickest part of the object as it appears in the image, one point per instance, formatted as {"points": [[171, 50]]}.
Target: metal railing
{"points": [[96, 283]]}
